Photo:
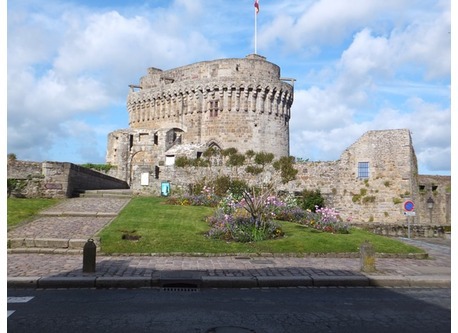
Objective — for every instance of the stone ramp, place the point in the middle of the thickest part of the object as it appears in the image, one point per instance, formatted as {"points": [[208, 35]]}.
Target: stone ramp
{"points": [[66, 227]]}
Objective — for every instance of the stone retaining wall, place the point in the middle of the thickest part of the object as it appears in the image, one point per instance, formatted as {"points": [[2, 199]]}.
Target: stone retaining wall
{"points": [[416, 230], [57, 179]]}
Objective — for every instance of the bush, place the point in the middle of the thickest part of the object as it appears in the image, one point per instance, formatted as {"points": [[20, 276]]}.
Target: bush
{"points": [[286, 168], [263, 158], [241, 228], [310, 200], [98, 167], [246, 220], [224, 185]]}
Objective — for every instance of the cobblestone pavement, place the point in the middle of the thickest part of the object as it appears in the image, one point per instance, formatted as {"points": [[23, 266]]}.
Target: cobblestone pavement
{"points": [[64, 224], [78, 218]]}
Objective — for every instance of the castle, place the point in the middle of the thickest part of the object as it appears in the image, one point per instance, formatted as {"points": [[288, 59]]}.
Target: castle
{"points": [[228, 103], [245, 104]]}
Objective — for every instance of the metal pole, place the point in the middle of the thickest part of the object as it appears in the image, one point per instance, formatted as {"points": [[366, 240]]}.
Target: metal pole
{"points": [[255, 32], [408, 227]]}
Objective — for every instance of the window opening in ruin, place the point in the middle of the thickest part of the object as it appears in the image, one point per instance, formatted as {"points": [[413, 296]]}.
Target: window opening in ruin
{"points": [[169, 159], [213, 108], [156, 139], [131, 141], [156, 172], [199, 154], [422, 187], [434, 188], [363, 170]]}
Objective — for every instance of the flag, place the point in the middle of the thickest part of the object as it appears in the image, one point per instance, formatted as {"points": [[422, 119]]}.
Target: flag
{"points": [[256, 6]]}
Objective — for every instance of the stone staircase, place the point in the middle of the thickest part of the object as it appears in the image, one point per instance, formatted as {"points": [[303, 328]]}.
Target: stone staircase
{"points": [[66, 227]]}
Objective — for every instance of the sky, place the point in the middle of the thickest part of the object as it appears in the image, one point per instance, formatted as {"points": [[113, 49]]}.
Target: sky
{"points": [[359, 65]]}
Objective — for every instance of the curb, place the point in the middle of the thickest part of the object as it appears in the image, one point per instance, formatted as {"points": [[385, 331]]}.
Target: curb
{"points": [[228, 282]]}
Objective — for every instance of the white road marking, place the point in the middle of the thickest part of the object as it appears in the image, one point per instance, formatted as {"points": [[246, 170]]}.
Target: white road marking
{"points": [[17, 300]]}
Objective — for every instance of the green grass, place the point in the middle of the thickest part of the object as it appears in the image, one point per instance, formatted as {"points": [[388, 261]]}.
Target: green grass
{"points": [[23, 210], [181, 229]]}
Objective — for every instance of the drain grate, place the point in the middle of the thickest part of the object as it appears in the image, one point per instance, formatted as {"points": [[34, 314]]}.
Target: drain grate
{"points": [[180, 287]]}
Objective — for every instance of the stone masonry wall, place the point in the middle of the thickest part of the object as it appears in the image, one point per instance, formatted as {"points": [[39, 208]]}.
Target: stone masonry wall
{"points": [[379, 199], [57, 180]]}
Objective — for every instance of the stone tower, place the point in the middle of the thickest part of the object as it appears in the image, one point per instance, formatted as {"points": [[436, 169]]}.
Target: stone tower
{"points": [[227, 103]]}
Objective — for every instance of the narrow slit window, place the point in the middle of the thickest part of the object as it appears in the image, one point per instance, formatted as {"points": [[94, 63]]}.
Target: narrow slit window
{"points": [[363, 170], [214, 108]]}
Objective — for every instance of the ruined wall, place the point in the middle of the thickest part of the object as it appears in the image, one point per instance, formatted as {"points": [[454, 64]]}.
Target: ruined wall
{"points": [[379, 198]]}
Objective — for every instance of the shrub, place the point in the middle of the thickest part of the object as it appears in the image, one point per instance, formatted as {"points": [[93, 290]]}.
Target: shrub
{"points": [[311, 199], [286, 168], [263, 158], [231, 227], [224, 185], [98, 167], [254, 170], [235, 160], [247, 220], [229, 151]]}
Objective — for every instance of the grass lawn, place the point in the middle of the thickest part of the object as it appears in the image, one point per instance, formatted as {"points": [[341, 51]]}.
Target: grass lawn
{"points": [[166, 228], [22, 210]]}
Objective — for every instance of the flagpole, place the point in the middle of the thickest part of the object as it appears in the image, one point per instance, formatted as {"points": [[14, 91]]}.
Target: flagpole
{"points": [[255, 32]]}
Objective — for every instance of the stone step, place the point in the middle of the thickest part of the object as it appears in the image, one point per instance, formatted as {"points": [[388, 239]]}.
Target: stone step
{"points": [[106, 193], [51, 244]]}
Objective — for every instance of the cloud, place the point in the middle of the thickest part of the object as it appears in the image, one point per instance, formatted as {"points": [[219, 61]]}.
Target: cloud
{"points": [[67, 61], [327, 22]]}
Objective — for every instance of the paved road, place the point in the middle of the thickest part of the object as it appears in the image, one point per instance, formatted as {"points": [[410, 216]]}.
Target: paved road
{"points": [[271, 310]]}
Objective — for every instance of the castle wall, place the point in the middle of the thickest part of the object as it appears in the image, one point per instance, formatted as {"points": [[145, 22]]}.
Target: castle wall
{"points": [[378, 198]]}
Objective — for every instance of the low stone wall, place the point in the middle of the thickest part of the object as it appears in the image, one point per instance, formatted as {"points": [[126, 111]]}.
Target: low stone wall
{"points": [[56, 179], [416, 230]]}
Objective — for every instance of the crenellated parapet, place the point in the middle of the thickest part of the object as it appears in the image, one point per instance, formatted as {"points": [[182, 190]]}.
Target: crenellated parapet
{"points": [[174, 101]]}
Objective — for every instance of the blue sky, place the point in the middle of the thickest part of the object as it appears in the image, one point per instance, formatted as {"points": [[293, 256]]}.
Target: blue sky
{"points": [[365, 66]]}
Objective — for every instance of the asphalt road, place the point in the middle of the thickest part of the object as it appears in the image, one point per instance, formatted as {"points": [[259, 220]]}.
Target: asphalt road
{"points": [[270, 310]]}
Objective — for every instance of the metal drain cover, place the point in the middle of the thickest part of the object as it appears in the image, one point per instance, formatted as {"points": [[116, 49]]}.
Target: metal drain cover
{"points": [[230, 329]]}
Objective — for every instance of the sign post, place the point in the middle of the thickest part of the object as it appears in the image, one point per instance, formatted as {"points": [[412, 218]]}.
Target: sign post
{"points": [[409, 211]]}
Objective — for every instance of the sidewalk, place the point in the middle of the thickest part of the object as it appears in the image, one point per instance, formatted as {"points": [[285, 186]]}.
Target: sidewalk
{"points": [[47, 253]]}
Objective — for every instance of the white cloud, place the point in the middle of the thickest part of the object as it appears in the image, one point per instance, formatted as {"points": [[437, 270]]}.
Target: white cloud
{"points": [[68, 62]]}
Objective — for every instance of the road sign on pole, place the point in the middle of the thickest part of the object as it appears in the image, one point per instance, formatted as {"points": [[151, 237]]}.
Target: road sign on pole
{"points": [[409, 206], [408, 211]]}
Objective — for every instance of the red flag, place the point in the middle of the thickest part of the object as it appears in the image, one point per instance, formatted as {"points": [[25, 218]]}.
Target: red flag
{"points": [[256, 6]]}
